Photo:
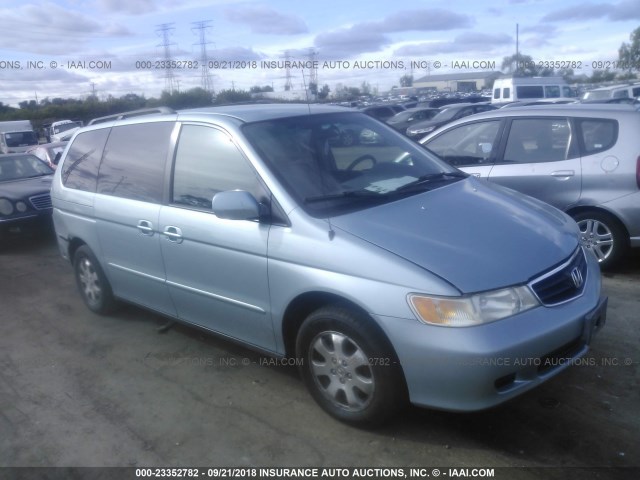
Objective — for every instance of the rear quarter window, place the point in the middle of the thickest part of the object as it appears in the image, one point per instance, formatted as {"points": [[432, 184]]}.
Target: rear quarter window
{"points": [[80, 168], [134, 161], [597, 134]]}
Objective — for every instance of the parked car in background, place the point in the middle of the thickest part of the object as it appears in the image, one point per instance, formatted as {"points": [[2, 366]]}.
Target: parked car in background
{"points": [[403, 120], [382, 112], [49, 153], [387, 280], [17, 136], [582, 159], [612, 92], [447, 114], [62, 130], [25, 203]]}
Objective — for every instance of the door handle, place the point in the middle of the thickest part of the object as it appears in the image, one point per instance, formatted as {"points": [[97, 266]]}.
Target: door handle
{"points": [[173, 234], [563, 173], [145, 227]]}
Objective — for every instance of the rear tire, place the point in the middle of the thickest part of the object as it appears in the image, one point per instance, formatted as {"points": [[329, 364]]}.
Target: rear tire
{"points": [[349, 367], [604, 236], [92, 282]]}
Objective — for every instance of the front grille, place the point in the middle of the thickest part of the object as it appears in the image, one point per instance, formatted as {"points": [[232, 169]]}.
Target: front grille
{"points": [[564, 283], [41, 202]]}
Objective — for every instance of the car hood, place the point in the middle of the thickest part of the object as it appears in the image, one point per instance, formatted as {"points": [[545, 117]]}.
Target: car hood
{"points": [[473, 235], [27, 187]]}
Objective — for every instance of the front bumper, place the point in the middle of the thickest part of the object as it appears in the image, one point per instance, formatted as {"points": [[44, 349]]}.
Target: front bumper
{"points": [[473, 368]]}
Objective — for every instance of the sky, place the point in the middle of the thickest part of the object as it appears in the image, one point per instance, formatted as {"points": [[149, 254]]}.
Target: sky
{"points": [[73, 48]]}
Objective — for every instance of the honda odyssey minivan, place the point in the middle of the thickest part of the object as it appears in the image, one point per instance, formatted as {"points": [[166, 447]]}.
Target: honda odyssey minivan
{"points": [[391, 281]]}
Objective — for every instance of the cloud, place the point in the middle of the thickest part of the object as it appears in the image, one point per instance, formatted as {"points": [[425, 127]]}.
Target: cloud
{"points": [[621, 11], [134, 7], [466, 42], [50, 29], [265, 20], [433, 19], [350, 41], [235, 54], [371, 36]]}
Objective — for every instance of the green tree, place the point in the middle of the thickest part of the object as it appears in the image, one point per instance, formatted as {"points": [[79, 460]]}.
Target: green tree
{"points": [[600, 76], [406, 80], [629, 53], [232, 96], [519, 65], [323, 93]]}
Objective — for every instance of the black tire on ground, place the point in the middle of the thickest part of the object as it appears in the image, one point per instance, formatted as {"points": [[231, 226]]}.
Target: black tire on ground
{"points": [[349, 367], [604, 235], [92, 282]]}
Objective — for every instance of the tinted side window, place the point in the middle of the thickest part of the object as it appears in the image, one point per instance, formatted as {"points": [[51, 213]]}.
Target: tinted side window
{"points": [[552, 91], [621, 94], [534, 140], [530, 91], [207, 162], [636, 92], [134, 161], [80, 169], [597, 134], [466, 145]]}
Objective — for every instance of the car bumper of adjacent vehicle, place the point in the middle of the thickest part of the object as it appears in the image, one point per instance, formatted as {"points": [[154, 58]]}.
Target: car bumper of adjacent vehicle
{"points": [[473, 368], [26, 223]]}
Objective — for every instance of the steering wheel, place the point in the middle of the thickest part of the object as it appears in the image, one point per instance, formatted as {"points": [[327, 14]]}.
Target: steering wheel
{"points": [[361, 159]]}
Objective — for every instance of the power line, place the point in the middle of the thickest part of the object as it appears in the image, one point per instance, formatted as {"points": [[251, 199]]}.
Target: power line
{"points": [[165, 29], [206, 80], [287, 84]]}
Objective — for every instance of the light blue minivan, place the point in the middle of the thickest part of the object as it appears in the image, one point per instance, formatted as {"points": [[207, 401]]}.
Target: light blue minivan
{"points": [[392, 276]]}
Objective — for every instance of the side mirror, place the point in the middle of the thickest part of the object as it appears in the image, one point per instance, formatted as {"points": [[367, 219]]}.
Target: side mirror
{"points": [[56, 160], [235, 205]]}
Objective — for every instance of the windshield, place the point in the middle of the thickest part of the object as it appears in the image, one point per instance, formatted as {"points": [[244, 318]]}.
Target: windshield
{"points": [[15, 167], [21, 139], [446, 114], [333, 163], [65, 126], [597, 95]]}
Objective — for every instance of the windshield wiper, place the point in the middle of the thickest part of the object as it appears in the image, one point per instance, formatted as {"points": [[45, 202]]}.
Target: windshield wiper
{"points": [[429, 178], [346, 194]]}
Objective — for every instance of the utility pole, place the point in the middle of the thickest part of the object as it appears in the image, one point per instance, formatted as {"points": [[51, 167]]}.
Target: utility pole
{"points": [[287, 59], [313, 72], [164, 30], [205, 78]]}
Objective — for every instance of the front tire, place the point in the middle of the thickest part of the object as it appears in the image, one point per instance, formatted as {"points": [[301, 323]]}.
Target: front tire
{"points": [[92, 282], [349, 367], [604, 236]]}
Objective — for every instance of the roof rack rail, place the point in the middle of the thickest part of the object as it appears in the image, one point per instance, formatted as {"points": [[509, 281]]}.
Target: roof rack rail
{"points": [[131, 114]]}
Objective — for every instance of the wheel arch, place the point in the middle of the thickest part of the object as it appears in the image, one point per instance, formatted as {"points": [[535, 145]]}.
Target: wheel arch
{"points": [[588, 208], [304, 304]]}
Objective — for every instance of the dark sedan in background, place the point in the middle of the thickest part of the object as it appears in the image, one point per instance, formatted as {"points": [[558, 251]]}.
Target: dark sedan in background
{"points": [[446, 115], [25, 203], [403, 120]]}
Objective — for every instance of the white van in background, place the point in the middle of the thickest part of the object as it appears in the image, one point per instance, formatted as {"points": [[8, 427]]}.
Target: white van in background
{"points": [[513, 89], [17, 136]]}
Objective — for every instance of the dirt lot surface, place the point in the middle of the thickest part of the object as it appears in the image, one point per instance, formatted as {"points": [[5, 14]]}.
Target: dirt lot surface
{"points": [[77, 389]]}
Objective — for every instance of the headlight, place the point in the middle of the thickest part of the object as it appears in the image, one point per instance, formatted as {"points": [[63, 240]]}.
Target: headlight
{"points": [[6, 207], [474, 309]]}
